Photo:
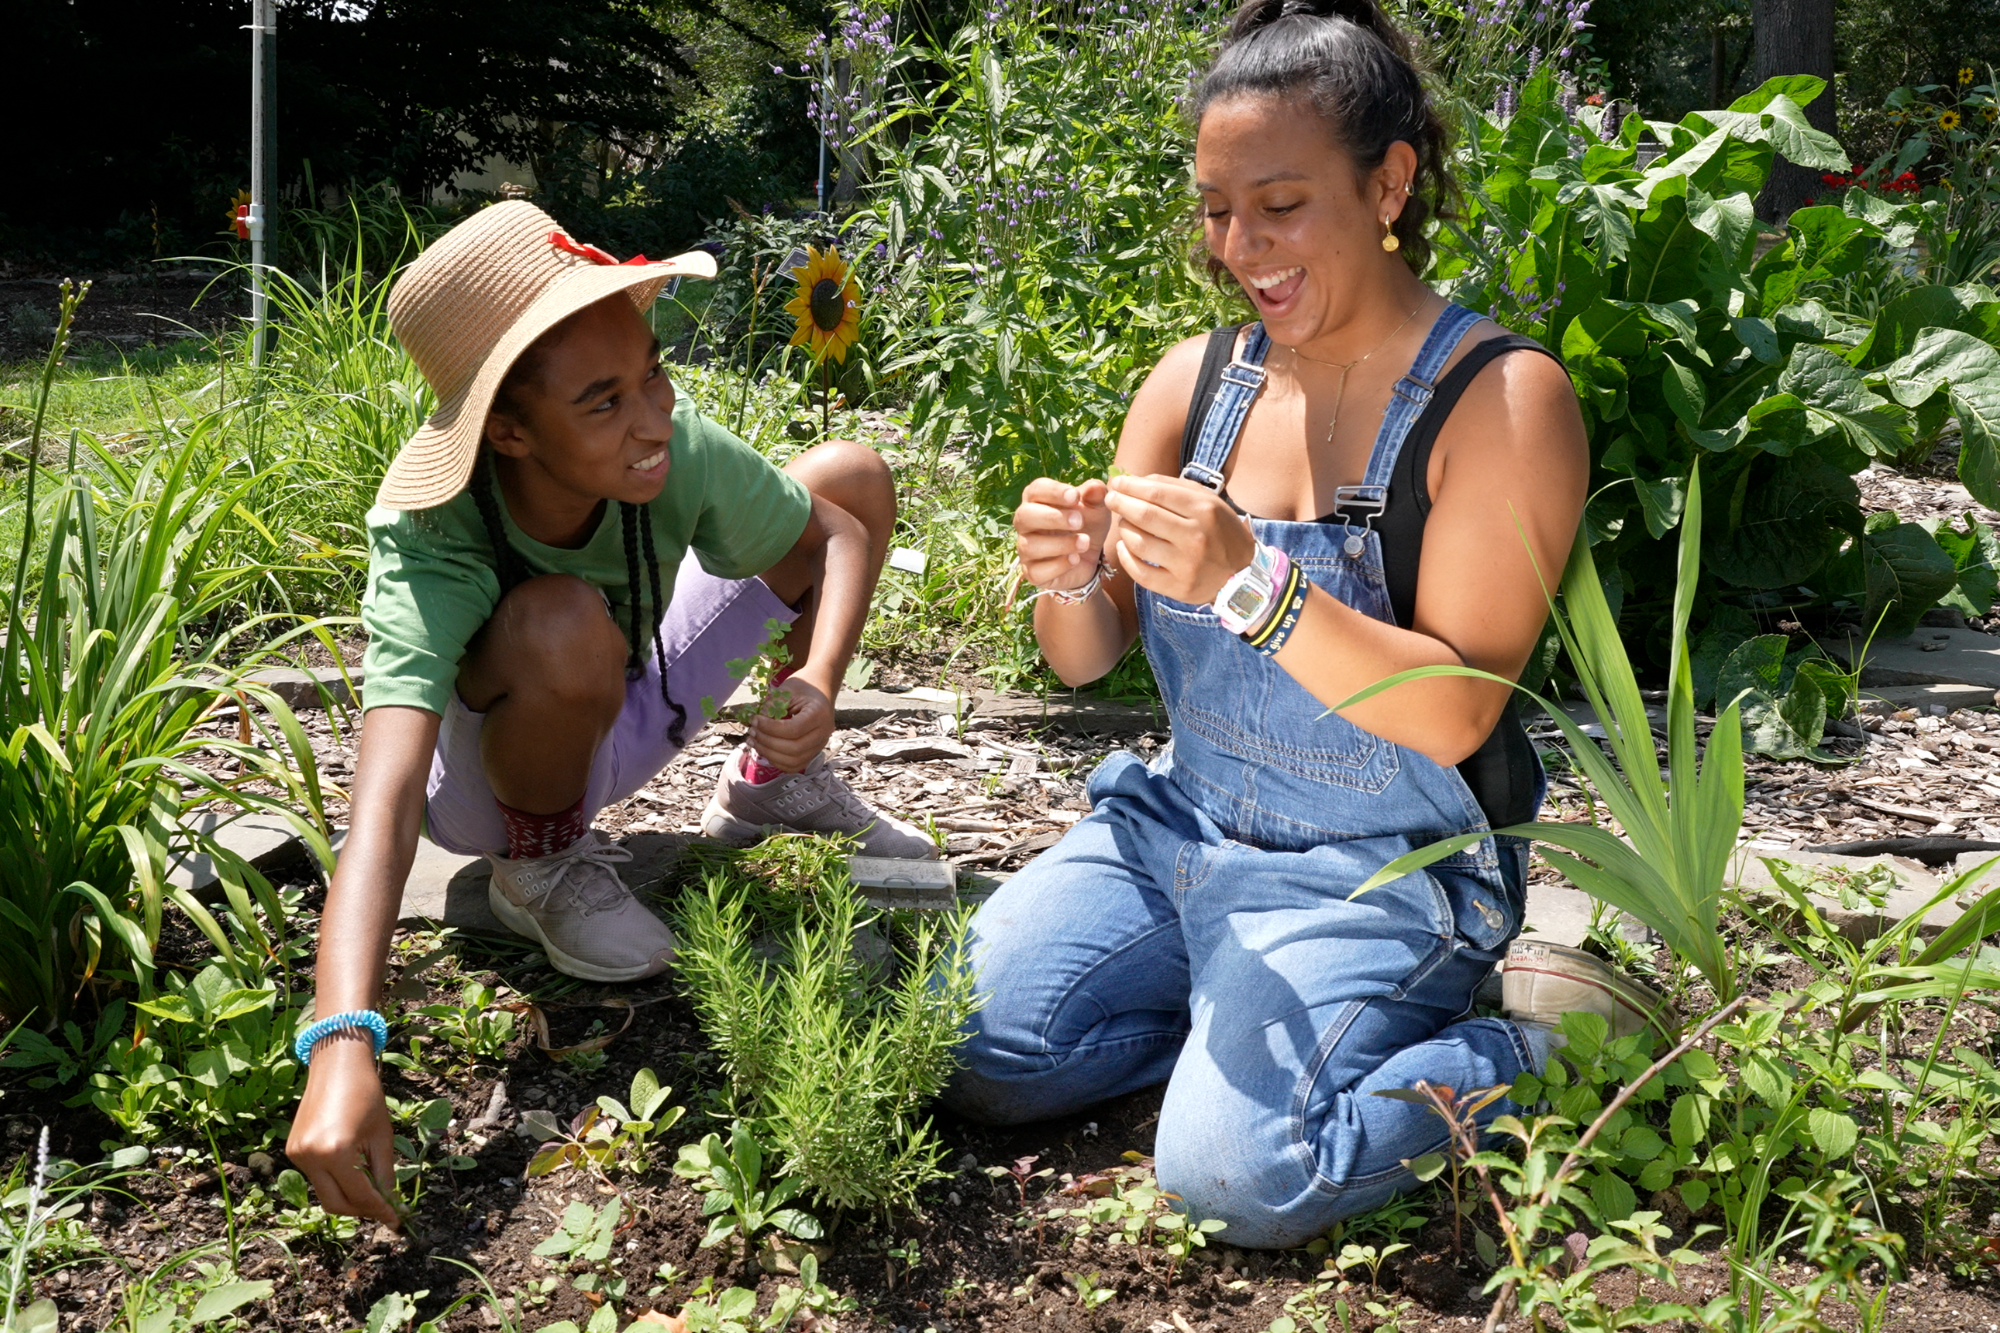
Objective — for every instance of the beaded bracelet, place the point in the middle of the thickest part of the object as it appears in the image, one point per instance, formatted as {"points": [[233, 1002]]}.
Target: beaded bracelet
{"points": [[1271, 636], [1071, 596], [376, 1025]]}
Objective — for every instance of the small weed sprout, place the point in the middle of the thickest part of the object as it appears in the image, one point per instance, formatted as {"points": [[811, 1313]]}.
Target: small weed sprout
{"points": [[303, 1216], [473, 1027], [608, 1135], [1021, 1171], [1089, 1295]]}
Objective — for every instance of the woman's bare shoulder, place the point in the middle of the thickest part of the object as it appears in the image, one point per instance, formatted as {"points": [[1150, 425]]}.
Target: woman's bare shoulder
{"points": [[1520, 407]]}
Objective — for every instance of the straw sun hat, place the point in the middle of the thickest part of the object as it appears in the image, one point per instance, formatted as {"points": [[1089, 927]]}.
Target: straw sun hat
{"points": [[470, 305]]}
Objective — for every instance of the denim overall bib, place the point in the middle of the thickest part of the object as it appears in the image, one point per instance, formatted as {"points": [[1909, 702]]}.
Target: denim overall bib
{"points": [[1199, 926]]}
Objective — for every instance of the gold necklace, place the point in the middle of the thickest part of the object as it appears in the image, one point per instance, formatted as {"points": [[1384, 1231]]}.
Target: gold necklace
{"points": [[1340, 394]]}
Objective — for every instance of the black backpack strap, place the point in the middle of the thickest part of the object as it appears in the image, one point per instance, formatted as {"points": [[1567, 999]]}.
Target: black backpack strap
{"points": [[1214, 360], [1402, 524]]}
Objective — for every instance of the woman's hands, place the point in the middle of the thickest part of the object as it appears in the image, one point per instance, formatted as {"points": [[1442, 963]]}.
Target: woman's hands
{"points": [[1176, 537], [1060, 531]]}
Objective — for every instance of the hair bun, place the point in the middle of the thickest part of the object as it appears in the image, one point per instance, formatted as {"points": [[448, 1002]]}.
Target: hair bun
{"points": [[1255, 14]]}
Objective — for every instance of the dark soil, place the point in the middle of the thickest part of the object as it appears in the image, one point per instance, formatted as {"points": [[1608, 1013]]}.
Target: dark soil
{"points": [[984, 1261], [160, 304]]}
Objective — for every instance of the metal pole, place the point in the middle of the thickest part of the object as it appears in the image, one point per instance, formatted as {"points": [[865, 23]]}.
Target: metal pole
{"points": [[825, 118], [263, 35]]}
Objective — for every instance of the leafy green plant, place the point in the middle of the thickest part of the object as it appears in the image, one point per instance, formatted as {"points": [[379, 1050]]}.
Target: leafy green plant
{"points": [[186, 1293], [1685, 344], [1330, 1299], [735, 1198], [607, 1135], [1679, 823], [217, 1057], [734, 1309], [474, 1027], [584, 1235], [829, 1058], [111, 669]]}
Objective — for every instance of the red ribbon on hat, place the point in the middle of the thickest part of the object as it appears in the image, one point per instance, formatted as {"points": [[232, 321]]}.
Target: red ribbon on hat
{"points": [[590, 252]]}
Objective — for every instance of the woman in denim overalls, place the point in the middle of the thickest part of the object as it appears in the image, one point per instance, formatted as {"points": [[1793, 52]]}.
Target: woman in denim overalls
{"points": [[1198, 927]]}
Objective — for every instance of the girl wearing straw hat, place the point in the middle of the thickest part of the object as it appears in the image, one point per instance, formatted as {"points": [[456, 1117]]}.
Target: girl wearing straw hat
{"points": [[562, 562]]}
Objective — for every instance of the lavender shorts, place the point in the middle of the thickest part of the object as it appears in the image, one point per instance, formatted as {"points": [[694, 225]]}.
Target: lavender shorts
{"points": [[709, 623]]}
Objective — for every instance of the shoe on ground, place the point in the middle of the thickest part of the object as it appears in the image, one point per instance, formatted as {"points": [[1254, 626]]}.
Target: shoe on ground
{"points": [[742, 812], [1541, 982], [576, 907]]}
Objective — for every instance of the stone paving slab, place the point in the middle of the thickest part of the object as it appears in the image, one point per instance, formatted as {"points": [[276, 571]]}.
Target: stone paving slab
{"points": [[1930, 699], [1929, 657], [1917, 885], [310, 689], [265, 841]]}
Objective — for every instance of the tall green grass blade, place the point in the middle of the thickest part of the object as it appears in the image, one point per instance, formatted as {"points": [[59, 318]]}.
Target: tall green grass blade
{"points": [[1678, 827]]}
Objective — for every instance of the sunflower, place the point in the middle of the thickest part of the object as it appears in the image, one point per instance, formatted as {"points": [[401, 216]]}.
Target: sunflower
{"points": [[1965, 74], [828, 307], [241, 199], [1948, 121]]}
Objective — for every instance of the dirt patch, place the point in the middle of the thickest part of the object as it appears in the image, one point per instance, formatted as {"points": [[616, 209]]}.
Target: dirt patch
{"points": [[126, 310]]}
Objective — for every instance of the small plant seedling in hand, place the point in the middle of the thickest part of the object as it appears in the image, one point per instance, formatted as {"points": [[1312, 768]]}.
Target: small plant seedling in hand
{"points": [[761, 669]]}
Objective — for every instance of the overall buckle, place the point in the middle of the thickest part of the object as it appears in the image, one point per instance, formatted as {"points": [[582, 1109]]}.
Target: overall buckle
{"points": [[1203, 475], [1367, 501]]}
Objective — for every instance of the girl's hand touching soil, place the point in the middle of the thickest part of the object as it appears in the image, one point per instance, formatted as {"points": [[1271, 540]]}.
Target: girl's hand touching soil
{"points": [[342, 1139]]}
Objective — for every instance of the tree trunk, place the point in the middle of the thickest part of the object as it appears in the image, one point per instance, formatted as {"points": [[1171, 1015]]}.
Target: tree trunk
{"points": [[1794, 37]]}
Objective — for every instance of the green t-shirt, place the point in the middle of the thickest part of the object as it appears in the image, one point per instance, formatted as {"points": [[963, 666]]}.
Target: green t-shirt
{"points": [[432, 584]]}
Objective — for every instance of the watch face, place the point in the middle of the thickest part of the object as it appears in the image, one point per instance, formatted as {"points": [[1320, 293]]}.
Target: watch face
{"points": [[1246, 601]]}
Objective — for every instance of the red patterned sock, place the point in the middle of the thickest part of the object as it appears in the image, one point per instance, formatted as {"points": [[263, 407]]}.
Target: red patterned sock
{"points": [[753, 766], [542, 835]]}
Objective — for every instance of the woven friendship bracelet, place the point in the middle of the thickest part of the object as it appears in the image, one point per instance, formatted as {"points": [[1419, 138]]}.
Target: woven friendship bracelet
{"points": [[377, 1027], [1272, 634]]}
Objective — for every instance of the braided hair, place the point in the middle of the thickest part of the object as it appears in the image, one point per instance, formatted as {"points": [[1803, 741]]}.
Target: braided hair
{"points": [[512, 570]]}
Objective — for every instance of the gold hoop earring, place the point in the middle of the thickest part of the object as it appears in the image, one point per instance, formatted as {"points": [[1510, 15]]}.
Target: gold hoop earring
{"points": [[1389, 239]]}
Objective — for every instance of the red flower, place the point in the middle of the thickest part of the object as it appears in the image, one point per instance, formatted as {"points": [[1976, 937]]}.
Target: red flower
{"points": [[1835, 181]]}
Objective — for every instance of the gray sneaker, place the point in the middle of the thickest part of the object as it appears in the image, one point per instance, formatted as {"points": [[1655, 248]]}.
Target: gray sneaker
{"points": [[1542, 981], [742, 813], [576, 907]]}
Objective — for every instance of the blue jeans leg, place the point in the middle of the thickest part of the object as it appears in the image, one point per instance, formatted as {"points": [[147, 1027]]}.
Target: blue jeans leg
{"points": [[1084, 977], [1305, 1003]]}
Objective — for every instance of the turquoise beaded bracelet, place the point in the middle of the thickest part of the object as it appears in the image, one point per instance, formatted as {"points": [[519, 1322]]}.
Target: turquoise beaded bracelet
{"points": [[377, 1026]]}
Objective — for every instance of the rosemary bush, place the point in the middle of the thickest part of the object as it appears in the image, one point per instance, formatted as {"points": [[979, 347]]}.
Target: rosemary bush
{"points": [[832, 1057]]}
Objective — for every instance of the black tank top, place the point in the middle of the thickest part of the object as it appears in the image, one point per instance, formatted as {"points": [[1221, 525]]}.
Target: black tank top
{"points": [[1502, 771]]}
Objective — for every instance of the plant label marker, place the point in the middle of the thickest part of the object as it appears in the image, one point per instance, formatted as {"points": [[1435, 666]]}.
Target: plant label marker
{"points": [[908, 560], [888, 882]]}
